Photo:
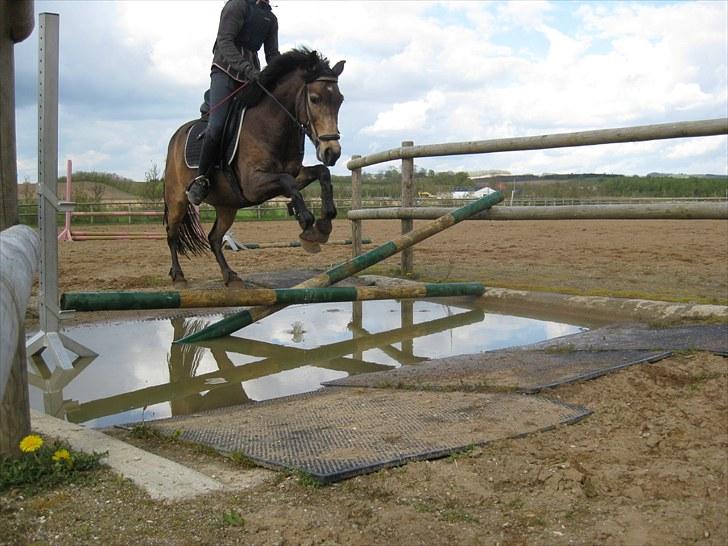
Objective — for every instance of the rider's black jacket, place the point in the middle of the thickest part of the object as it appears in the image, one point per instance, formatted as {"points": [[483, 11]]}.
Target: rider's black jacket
{"points": [[245, 26]]}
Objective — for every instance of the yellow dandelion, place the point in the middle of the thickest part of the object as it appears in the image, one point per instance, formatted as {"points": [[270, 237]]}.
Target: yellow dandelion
{"points": [[31, 443], [61, 455]]}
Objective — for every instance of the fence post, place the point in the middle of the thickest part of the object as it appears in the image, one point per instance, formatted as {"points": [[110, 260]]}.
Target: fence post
{"points": [[356, 202], [408, 200], [19, 257]]}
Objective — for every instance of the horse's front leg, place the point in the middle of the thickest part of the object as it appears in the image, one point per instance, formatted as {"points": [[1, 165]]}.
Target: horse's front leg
{"points": [[264, 186], [321, 173], [224, 219]]}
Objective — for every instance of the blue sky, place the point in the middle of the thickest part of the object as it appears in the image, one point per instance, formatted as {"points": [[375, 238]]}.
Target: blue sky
{"points": [[133, 71]]}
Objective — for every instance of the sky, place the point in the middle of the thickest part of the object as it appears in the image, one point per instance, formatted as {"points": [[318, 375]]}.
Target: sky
{"points": [[131, 72]]}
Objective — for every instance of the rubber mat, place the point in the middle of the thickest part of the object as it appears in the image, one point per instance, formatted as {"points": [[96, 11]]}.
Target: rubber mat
{"points": [[550, 363], [699, 337], [335, 434], [515, 370]]}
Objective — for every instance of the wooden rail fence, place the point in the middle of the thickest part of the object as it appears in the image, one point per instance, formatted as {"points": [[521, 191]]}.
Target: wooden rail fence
{"points": [[407, 212]]}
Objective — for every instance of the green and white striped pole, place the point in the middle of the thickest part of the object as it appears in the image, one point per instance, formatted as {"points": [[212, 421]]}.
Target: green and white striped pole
{"points": [[239, 320]]}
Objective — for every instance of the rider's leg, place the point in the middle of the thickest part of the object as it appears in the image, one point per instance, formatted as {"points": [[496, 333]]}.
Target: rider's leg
{"points": [[221, 86]]}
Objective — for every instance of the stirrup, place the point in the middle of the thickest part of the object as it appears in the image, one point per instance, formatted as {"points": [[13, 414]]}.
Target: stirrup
{"points": [[198, 189]]}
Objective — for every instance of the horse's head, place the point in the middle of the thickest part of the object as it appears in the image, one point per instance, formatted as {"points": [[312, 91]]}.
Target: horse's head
{"points": [[322, 102]]}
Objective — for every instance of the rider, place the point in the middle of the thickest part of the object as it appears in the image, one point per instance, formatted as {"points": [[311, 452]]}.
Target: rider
{"points": [[245, 26]]}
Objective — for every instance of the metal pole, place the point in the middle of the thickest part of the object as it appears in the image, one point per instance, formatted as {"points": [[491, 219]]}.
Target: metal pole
{"points": [[66, 234], [48, 169], [48, 340]]}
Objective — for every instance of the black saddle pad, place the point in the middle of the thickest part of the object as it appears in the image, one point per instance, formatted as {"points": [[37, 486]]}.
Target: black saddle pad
{"points": [[195, 137]]}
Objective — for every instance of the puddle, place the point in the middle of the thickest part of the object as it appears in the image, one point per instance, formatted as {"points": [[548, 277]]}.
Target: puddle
{"points": [[140, 375]]}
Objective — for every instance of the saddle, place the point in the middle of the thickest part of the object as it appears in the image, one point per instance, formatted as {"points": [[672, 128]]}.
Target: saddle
{"points": [[230, 136]]}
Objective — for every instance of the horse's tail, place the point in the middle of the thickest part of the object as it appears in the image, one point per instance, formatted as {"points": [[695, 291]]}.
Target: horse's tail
{"points": [[191, 238]]}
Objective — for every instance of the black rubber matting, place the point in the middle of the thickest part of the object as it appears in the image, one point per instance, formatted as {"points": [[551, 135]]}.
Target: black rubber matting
{"points": [[698, 337], [550, 363], [339, 433], [516, 370]]}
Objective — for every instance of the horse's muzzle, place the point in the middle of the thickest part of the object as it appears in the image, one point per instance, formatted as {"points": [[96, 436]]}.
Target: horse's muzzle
{"points": [[328, 152]]}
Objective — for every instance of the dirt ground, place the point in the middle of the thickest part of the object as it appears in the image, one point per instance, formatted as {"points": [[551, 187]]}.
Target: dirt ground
{"points": [[650, 466], [652, 259]]}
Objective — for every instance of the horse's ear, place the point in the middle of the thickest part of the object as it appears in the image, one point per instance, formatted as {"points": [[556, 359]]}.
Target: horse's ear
{"points": [[338, 68]]}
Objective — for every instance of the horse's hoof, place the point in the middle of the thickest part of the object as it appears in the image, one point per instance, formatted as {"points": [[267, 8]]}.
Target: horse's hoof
{"points": [[232, 280], [310, 246], [322, 235]]}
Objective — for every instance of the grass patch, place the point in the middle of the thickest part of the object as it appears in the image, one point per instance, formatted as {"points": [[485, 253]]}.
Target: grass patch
{"points": [[233, 518], [307, 480], [46, 464], [242, 460]]}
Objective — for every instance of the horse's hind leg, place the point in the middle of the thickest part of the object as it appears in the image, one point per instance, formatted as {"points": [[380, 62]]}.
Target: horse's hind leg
{"points": [[173, 216], [223, 221], [322, 227]]}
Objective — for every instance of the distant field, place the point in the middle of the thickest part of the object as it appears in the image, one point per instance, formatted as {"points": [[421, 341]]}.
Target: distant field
{"points": [[28, 191]]}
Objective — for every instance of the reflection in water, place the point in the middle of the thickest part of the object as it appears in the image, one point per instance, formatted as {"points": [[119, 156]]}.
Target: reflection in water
{"points": [[291, 352], [183, 360]]}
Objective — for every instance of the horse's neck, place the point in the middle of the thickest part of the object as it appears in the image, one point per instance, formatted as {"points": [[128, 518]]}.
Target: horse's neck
{"points": [[282, 132], [273, 127]]}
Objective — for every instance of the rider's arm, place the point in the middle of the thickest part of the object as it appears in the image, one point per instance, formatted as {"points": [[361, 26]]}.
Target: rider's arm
{"points": [[271, 42], [232, 20]]}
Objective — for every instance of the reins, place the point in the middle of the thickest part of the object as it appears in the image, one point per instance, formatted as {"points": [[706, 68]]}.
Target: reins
{"points": [[308, 128], [223, 101]]}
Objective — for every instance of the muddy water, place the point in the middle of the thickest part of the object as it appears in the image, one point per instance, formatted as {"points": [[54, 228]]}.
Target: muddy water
{"points": [[141, 375]]}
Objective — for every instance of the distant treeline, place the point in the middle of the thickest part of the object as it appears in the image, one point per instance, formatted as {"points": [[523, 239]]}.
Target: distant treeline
{"points": [[595, 186], [151, 189], [387, 184]]}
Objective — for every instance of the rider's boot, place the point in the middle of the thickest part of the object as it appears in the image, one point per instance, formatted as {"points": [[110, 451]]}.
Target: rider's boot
{"points": [[198, 190], [200, 186]]}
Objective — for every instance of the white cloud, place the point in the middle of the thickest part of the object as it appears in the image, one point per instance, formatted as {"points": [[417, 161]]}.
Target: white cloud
{"points": [[691, 148], [423, 71], [176, 38], [406, 116]]}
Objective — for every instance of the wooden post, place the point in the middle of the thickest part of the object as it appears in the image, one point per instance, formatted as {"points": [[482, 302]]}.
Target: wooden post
{"points": [[16, 24], [407, 320], [408, 200], [356, 202]]}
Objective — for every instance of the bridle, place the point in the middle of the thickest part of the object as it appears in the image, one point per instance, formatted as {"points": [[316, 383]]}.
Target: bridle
{"points": [[308, 128]]}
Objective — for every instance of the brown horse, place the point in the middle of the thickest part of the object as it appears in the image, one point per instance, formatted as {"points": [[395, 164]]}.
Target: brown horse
{"points": [[297, 95]]}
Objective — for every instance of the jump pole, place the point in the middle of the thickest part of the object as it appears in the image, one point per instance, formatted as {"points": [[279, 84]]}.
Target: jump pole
{"points": [[239, 320], [180, 299], [294, 244]]}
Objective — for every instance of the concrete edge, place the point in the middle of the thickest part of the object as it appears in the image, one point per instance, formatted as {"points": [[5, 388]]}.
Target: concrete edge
{"points": [[161, 478]]}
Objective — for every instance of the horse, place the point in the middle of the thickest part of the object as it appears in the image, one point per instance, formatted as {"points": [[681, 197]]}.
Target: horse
{"points": [[294, 97]]}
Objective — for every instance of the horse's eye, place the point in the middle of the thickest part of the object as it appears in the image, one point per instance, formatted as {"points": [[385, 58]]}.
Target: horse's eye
{"points": [[315, 99]]}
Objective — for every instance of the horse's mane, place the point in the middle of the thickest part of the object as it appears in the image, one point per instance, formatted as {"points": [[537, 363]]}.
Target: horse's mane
{"points": [[313, 64]]}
